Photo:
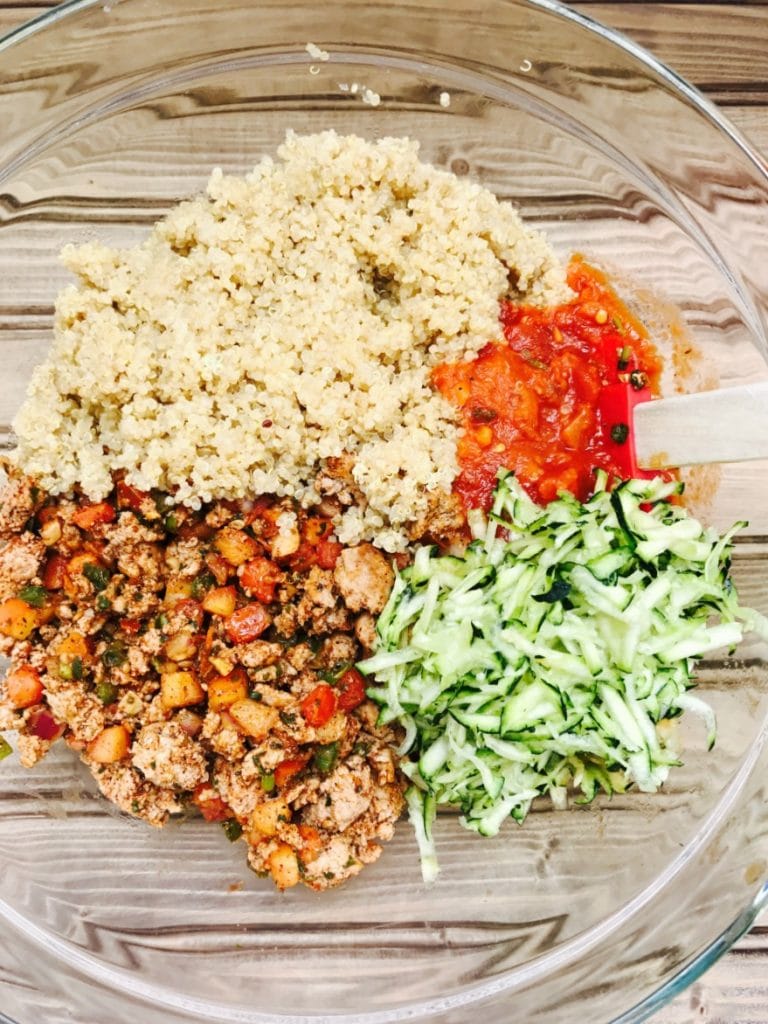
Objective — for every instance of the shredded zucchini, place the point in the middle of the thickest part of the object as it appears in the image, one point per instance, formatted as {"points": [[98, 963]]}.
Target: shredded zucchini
{"points": [[546, 655]]}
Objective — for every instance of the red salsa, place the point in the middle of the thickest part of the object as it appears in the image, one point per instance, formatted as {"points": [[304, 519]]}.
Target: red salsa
{"points": [[537, 402]]}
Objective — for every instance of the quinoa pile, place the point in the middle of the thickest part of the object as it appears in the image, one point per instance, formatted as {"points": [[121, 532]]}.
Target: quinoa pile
{"points": [[287, 318]]}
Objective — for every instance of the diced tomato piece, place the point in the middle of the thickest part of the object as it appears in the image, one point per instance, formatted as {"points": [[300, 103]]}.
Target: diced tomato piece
{"points": [[248, 623], [196, 528], [284, 866], [224, 691], [547, 490], [220, 601], [316, 528], [205, 665], [565, 480], [233, 505], [93, 515], [17, 618], [328, 552], [210, 804], [55, 572], [258, 508], [180, 689], [260, 578], [74, 645], [319, 705], [131, 626], [323, 554], [351, 687], [579, 428], [286, 770], [253, 717], [24, 687], [303, 558], [177, 589], [235, 545], [312, 843], [269, 517], [42, 724], [95, 548], [47, 514], [191, 610], [110, 746], [219, 566], [130, 497], [74, 571]]}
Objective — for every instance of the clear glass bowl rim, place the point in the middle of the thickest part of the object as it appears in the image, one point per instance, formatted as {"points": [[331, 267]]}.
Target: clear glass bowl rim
{"points": [[744, 920]]}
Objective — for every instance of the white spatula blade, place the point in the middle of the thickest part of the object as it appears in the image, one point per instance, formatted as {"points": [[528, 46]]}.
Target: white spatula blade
{"points": [[729, 425]]}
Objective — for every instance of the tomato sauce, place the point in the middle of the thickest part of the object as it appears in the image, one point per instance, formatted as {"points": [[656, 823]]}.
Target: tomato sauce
{"points": [[539, 401]]}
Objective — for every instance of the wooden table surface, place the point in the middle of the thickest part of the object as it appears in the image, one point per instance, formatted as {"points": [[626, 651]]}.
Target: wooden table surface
{"points": [[723, 49]]}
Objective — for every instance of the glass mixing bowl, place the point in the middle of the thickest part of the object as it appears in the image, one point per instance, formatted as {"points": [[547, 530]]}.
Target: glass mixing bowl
{"points": [[113, 111]]}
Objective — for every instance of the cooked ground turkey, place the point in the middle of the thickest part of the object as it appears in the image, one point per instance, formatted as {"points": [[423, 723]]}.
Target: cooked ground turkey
{"points": [[205, 657]]}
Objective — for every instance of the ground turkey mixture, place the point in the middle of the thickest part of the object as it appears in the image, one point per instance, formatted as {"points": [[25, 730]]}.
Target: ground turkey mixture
{"points": [[207, 657]]}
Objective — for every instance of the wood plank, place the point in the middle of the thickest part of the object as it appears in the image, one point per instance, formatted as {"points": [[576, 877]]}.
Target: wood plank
{"points": [[726, 53], [14, 17], [709, 4], [23, 10], [665, 28], [753, 123]]}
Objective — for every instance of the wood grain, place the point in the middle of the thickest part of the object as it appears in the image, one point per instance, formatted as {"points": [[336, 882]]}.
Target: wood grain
{"points": [[11, 16], [715, 46], [723, 49]]}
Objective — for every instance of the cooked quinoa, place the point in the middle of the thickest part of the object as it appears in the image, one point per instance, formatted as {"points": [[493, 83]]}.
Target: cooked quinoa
{"points": [[283, 319]]}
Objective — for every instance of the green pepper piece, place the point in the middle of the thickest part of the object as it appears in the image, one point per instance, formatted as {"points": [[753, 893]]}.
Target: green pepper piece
{"points": [[33, 595], [624, 357], [106, 692], [115, 654], [325, 757], [97, 575], [232, 829], [202, 584]]}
